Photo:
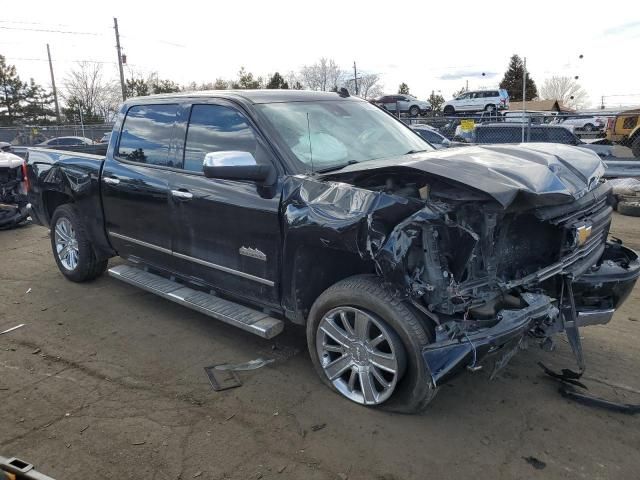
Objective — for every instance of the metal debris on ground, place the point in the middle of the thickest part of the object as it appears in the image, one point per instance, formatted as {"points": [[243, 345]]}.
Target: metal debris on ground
{"points": [[222, 379], [320, 426], [241, 367], [535, 462], [13, 328]]}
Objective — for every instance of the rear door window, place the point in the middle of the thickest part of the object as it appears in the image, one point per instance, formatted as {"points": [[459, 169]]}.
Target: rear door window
{"points": [[499, 135], [147, 134], [216, 128]]}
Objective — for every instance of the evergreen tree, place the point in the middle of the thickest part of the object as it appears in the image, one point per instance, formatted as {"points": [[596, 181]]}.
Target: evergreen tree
{"points": [[38, 104], [436, 101], [277, 82], [512, 81], [12, 93], [246, 80], [403, 89]]}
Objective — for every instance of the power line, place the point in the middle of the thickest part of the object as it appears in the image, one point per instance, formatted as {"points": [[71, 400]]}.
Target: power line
{"points": [[50, 31], [36, 23], [59, 60]]}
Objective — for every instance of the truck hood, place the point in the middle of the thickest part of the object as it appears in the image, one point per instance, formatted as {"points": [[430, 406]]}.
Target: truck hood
{"points": [[545, 173]]}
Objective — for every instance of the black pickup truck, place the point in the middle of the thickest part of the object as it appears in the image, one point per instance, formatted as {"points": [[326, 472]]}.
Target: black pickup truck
{"points": [[405, 264]]}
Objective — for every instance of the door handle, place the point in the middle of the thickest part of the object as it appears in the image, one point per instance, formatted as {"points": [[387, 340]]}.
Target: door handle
{"points": [[111, 180], [182, 194]]}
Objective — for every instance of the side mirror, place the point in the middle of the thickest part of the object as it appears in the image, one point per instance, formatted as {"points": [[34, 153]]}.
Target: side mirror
{"points": [[446, 143], [236, 165]]}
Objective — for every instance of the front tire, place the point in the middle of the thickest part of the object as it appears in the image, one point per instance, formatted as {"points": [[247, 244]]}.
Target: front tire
{"points": [[490, 109], [366, 345], [588, 127], [414, 111], [449, 110], [71, 246]]}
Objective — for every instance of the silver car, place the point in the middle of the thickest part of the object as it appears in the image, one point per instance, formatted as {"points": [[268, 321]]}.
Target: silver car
{"points": [[405, 103]]}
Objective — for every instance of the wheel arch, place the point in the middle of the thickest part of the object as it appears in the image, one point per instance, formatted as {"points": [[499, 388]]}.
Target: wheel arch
{"points": [[310, 270]]}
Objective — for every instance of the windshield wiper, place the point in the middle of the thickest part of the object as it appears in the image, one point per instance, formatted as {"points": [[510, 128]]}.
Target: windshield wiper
{"points": [[336, 167], [410, 152]]}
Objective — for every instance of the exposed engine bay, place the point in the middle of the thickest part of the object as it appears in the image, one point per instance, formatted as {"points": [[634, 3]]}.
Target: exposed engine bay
{"points": [[490, 260]]}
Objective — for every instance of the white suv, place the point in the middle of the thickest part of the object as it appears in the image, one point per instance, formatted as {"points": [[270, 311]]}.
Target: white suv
{"points": [[477, 101]]}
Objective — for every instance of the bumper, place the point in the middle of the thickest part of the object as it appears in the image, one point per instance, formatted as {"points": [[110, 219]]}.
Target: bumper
{"points": [[12, 215], [597, 293]]}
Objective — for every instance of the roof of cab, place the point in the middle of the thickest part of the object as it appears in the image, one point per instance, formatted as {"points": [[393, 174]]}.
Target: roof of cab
{"points": [[252, 96]]}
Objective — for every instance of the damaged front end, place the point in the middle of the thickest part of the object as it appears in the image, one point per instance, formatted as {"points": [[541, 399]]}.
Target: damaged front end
{"points": [[490, 262]]}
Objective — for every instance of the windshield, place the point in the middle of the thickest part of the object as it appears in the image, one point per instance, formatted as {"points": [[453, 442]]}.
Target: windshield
{"points": [[330, 134]]}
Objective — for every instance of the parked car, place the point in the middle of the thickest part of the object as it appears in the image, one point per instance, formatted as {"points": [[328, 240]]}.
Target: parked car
{"points": [[624, 129], [13, 190], [588, 124], [66, 142], [512, 133], [405, 265], [406, 103], [477, 101], [434, 137]]}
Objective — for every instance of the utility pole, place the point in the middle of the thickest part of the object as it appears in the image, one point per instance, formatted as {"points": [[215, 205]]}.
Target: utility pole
{"points": [[467, 87], [524, 93], [53, 86], [355, 77], [115, 26]]}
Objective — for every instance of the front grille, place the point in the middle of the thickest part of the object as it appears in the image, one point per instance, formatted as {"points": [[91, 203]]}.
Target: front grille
{"points": [[592, 210]]}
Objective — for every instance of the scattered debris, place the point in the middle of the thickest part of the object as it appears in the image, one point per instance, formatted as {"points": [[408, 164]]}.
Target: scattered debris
{"points": [[241, 367], [343, 476], [68, 445], [633, 319], [36, 351], [275, 414], [197, 474], [13, 328], [282, 469], [29, 290], [84, 428], [318, 427], [229, 417], [535, 462], [138, 443], [567, 391], [222, 379]]}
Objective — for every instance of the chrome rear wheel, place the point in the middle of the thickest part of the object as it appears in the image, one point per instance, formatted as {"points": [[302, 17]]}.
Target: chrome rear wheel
{"points": [[66, 244]]}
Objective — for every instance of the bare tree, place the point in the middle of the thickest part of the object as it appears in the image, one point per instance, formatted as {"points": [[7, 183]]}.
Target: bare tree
{"points": [[86, 90], [565, 89], [323, 75], [368, 86]]}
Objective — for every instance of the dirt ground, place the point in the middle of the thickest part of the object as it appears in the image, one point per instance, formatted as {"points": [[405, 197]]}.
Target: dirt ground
{"points": [[105, 381]]}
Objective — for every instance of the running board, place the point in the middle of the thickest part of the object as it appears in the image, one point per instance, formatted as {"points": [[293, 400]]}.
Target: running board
{"points": [[246, 318]]}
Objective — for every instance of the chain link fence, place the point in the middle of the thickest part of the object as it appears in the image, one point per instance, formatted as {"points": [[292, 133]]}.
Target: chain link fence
{"points": [[29, 135], [587, 130]]}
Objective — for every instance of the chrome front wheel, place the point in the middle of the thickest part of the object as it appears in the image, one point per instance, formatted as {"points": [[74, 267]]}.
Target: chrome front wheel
{"points": [[360, 354], [66, 244]]}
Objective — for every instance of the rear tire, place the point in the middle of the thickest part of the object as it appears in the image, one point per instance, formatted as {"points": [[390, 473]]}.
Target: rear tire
{"points": [[490, 108], [405, 336], [71, 246], [588, 127], [449, 110]]}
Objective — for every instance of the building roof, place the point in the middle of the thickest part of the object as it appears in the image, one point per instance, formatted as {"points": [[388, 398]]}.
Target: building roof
{"points": [[541, 105]]}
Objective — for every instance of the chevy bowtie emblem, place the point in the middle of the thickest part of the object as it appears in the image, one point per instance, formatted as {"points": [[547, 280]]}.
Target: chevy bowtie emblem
{"points": [[582, 234]]}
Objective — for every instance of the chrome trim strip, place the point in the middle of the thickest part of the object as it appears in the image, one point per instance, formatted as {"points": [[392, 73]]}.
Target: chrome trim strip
{"points": [[140, 242], [595, 317], [199, 261], [248, 276]]}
